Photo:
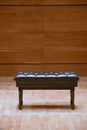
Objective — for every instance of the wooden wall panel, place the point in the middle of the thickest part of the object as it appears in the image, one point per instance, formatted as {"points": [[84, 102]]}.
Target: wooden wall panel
{"points": [[80, 69], [66, 40], [21, 56], [23, 40], [11, 70], [65, 34], [65, 2], [21, 2], [65, 56], [21, 19], [41, 2], [21, 34], [43, 35], [66, 19]]}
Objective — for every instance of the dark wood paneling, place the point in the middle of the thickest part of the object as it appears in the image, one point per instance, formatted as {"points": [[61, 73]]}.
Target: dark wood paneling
{"points": [[65, 2], [66, 40], [6, 70], [21, 56], [65, 19], [80, 69], [21, 40], [43, 38], [11, 70], [21, 29], [65, 34], [65, 56], [21, 19], [21, 2], [41, 2]]}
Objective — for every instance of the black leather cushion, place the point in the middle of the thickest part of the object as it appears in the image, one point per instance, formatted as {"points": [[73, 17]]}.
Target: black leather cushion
{"points": [[46, 80]]}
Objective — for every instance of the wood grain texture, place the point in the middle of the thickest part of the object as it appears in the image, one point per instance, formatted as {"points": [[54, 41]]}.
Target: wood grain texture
{"points": [[21, 56], [80, 69], [12, 69], [66, 40], [21, 40], [41, 2], [65, 56], [43, 35], [21, 28], [21, 2], [21, 34], [66, 19], [42, 109], [51, 2], [65, 35]]}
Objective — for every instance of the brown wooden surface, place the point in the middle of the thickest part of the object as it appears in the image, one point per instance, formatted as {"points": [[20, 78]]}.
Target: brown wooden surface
{"points": [[65, 56], [6, 69], [21, 56], [21, 2], [41, 2], [42, 109], [21, 28], [65, 2], [43, 35]]}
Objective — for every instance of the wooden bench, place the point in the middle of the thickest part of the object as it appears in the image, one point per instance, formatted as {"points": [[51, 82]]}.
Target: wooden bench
{"points": [[46, 80]]}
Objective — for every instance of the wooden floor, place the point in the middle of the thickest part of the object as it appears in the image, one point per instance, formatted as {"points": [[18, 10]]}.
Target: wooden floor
{"points": [[42, 109]]}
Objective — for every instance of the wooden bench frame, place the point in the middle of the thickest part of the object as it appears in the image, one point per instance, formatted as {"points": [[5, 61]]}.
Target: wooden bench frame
{"points": [[72, 95]]}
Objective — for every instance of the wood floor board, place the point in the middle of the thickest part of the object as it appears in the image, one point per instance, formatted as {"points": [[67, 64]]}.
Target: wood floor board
{"points": [[42, 109]]}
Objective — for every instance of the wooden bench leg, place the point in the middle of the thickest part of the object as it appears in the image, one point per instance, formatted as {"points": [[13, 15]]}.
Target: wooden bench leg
{"points": [[72, 98], [20, 98]]}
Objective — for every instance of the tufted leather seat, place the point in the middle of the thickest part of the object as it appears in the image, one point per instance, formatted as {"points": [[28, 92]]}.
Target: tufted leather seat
{"points": [[46, 80]]}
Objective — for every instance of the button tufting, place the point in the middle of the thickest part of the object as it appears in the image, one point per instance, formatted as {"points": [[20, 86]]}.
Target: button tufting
{"points": [[46, 74]]}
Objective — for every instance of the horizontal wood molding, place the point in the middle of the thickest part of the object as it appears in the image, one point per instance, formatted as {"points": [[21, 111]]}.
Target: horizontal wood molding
{"points": [[42, 2]]}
